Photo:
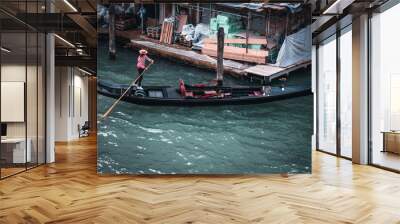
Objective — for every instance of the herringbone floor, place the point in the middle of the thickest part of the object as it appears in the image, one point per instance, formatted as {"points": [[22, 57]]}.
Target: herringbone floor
{"points": [[70, 191]]}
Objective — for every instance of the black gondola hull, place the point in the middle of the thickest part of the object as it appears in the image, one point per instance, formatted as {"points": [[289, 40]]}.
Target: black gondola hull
{"points": [[182, 101]]}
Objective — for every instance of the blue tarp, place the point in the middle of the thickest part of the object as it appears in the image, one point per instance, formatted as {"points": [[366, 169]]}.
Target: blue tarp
{"points": [[293, 8], [295, 49]]}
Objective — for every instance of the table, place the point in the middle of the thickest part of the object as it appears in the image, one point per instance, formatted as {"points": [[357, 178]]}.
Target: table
{"points": [[13, 150], [391, 141]]}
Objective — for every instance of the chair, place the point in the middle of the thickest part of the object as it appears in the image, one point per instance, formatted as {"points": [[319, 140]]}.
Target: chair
{"points": [[84, 130]]}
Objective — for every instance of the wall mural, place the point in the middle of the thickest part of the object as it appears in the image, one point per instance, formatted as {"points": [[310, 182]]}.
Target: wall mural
{"points": [[222, 88]]}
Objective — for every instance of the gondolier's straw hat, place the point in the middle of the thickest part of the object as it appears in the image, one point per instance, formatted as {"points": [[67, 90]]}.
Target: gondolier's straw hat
{"points": [[143, 51]]}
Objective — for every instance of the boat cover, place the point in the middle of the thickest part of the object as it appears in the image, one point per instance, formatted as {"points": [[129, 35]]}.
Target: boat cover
{"points": [[292, 7], [295, 49]]}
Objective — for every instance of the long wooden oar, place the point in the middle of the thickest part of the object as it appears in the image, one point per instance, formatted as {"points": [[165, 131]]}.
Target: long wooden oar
{"points": [[126, 91]]}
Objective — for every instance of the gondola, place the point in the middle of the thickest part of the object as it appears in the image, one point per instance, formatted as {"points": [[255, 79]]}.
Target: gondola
{"points": [[200, 95]]}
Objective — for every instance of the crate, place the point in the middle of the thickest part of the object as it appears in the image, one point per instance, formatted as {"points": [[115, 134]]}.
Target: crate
{"points": [[153, 32], [222, 19], [213, 24], [182, 41], [124, 24]]}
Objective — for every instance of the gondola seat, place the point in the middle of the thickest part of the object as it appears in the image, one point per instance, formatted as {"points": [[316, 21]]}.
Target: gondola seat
{"points": [[256, 93], [183, 90]]}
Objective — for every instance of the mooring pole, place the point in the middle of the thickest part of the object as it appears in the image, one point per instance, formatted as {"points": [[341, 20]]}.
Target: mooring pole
{"points": [[220, 56], [247, 31], [197, 13], [142, 17], [111, 32]]}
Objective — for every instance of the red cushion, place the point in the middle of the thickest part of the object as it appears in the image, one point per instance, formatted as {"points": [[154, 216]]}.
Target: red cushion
{"points": [[182, 87], [257, 93]]}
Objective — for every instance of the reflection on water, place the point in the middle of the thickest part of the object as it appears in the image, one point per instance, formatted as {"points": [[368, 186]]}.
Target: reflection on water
{"points": [[266, 138]]}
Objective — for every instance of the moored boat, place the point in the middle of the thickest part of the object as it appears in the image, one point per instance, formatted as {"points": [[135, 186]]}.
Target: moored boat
{"points": [[200, 95]]}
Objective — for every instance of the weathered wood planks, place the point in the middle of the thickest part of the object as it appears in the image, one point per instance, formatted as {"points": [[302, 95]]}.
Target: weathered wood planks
{"points": [[258, 41], [237, 53], [182, 20], [167, 31]]}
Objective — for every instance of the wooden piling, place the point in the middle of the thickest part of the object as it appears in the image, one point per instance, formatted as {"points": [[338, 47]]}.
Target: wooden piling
{"points": [[220, 56], [198, 13], [142, 18], [112, 52], [248, 31]]}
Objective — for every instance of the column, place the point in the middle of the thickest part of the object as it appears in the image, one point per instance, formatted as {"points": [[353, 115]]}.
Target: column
{"points": [[360, 90], [50, 98]]}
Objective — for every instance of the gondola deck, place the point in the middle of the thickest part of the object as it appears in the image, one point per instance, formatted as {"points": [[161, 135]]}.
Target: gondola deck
{"points": [[170, 96]]}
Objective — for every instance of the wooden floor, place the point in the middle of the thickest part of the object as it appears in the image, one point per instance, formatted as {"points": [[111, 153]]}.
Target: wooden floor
{"points": [[70, 191], [5, 172]]}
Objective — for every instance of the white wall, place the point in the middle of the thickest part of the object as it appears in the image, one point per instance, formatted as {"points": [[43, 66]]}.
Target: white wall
{"points": [[80, 112], [14, 72], [61, 103], [33, 126], [17, 73], [71, 102]]}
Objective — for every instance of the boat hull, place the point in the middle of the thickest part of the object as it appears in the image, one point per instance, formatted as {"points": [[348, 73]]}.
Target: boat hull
{"points": [[190, 102]]}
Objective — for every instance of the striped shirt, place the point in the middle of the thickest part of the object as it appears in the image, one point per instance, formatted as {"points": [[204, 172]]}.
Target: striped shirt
{"points": [[141, 61]]}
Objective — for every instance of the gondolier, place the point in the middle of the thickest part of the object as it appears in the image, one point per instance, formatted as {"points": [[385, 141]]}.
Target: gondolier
{"points": [[141, 65]]}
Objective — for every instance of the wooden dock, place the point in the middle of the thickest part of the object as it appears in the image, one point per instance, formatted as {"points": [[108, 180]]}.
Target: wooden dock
{"points": [[237, 53], [266, 72], [269, 72], [194, 58]]}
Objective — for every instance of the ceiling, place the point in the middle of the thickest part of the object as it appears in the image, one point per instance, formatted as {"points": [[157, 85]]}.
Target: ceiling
{"points": [[74, 21], [15, 42]]}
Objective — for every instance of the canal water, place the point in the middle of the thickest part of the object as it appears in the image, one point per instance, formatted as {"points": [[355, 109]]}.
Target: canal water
{"points": [[266, 138]]}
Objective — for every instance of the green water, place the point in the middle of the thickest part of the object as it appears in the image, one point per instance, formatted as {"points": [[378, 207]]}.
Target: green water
{"points": [[266, 138]]}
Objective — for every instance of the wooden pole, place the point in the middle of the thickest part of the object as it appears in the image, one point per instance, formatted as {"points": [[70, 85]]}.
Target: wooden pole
{"points": [[190, 16], [287, 24], [269, 21], [111, 32], [126, 91], [155, 11], [162, 13], [220, 56], [198, 14], [247, 31], [142, 18]]}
